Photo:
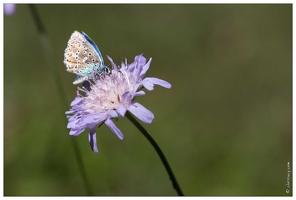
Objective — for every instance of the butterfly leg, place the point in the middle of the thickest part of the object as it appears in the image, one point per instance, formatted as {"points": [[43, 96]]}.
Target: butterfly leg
{"points": [[95, 75]]}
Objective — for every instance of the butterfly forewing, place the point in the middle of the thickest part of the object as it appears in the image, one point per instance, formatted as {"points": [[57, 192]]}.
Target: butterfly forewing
{"points": [[94, 46]]}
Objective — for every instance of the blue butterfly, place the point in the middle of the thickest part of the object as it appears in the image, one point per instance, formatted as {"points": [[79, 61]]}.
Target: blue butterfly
{"points": [[83, 57]]}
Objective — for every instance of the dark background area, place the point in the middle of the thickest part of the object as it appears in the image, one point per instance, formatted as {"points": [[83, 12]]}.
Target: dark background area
{"points": [[225, 125]]}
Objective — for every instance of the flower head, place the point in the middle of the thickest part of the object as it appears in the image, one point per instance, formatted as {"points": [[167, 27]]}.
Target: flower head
{"points": [[9, 8], [110, 97]]}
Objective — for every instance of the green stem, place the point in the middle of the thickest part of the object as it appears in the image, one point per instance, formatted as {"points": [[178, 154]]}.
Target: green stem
{"points": [[158, 150], [50, 61]]}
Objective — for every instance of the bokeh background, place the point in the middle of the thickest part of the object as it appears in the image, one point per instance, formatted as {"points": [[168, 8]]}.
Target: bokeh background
{"points": [[225, 125]]}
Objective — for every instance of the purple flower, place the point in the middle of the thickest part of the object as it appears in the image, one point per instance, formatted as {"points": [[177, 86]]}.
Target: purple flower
{"points": [[9, 8], [110, 97]]}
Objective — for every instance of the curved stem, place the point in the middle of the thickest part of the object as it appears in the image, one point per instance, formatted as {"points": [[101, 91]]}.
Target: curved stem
{"points": [[158, 150], [50, 61]]}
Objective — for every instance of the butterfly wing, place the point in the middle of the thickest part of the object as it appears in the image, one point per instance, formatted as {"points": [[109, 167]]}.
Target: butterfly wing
{"points": [[81, 56], [80, 79], [94, 46]]}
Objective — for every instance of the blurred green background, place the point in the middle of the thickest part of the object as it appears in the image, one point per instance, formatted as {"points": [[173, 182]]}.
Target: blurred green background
{"points": [[225, 125]]}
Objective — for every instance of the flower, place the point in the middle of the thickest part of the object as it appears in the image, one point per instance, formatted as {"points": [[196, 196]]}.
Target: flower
{"points": [[9, 8], [109, 97]]}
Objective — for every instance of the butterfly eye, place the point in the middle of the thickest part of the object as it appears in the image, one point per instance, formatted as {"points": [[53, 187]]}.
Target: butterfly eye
{"points": [[89, 54], [78, 62], [84, 52], [76, 57], [93, 60]]}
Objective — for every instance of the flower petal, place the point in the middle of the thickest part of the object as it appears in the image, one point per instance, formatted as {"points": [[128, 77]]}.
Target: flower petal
{"points": [[138, 85], [92, 139], [148, 85], [114, 128], [140, 93], [139, 67], [145, 68], [72, 118], [70, 112], [112, 114], [156, 81], [112, 63], [141, 112], [77, 100], [75, 132], [140, 60], [94, 118], [126, 97], [74, 124], [121, 110]]}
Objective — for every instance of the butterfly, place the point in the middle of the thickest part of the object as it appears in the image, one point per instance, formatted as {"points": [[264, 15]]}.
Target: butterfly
{"points": [[83, 57]]}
